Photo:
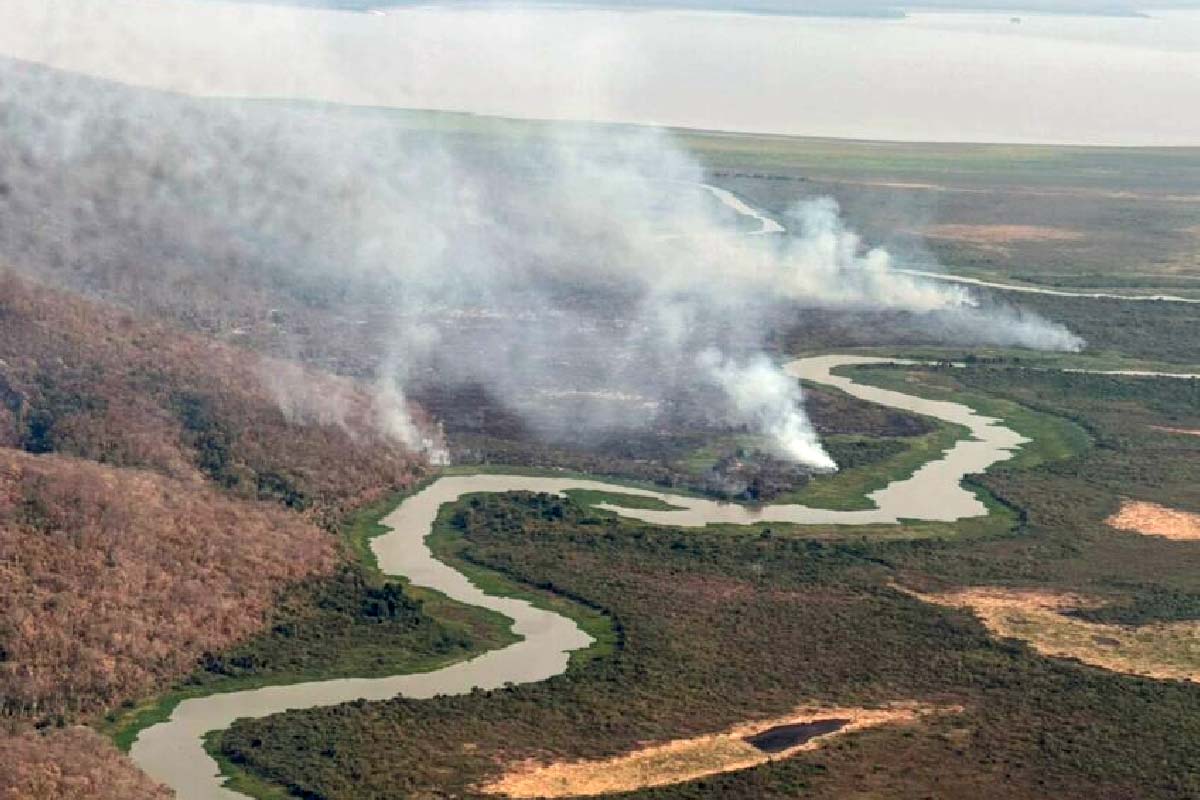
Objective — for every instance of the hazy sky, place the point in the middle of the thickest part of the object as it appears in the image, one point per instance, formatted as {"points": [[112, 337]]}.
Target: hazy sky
{"points": [[838, 7], [929, 77]]}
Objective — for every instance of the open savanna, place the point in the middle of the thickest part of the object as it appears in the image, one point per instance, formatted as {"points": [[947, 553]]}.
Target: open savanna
{"points": [[722, 627], [1074, 218]]}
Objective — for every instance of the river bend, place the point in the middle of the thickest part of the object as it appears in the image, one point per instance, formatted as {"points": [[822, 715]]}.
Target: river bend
{"points": [[172, 751]]}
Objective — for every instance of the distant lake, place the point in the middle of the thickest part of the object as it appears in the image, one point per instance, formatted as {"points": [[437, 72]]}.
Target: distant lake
{"points": [[930, 76]]}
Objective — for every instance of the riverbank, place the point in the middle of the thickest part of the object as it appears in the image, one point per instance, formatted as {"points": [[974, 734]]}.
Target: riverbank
{"points": [[549, 638], [728, 625], [486, 631]]}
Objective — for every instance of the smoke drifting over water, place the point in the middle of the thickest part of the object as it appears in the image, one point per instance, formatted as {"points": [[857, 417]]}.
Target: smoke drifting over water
{"points": [[582, 263]]}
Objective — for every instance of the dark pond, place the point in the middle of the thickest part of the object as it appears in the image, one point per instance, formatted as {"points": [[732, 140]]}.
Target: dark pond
{"points": [[783, 737]]}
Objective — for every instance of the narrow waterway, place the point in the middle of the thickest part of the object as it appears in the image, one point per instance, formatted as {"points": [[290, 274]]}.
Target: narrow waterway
{"points": [[1024, 289], [767, 225], [172, 751]]}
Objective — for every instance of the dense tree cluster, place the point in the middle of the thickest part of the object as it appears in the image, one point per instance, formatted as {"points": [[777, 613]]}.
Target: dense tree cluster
{"points": [[116, 580], [70, 764], [350, 623], [94, 382]]}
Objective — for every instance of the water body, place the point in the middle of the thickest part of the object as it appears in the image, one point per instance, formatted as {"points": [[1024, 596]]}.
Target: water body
{"points": [[785, 737], [172, 751], [769, 225], [766, 225], [926, 77], [1011, 287]]}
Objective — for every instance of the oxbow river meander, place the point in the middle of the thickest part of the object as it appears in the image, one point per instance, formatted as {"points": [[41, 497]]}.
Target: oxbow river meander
{"points": [[173, 752]]}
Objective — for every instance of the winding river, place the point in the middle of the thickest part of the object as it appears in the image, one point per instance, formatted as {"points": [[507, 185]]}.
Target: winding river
{"points": [[172, 751], [1025, 289], [768, 225]]}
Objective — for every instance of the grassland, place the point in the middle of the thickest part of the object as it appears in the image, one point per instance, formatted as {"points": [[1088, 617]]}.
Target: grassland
{"points": [[1079, 218], [720, 626], [1162, 650], [592, 497]]}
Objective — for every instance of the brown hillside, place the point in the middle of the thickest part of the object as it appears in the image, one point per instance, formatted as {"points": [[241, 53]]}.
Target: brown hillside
{"points": [[92, 381], [113, 581], [70, 764], [157, 493]]}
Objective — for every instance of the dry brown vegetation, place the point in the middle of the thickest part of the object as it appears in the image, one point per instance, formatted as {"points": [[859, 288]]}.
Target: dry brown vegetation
{"points": [[685, 759], [1151, 519], [1000, 234], [95, 382], [165, 490], [116, 580], [158, 491], [70, 764], [1163, 650]]}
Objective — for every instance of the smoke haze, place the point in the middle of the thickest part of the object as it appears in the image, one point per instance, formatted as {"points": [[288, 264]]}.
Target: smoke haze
{"points": [[586, 264]]}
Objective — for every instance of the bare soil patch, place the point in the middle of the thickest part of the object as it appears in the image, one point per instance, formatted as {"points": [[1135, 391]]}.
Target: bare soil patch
{"points": [[688, 759], [1166, 651], [1181, 431], [1001, 234], [1150, 519]]}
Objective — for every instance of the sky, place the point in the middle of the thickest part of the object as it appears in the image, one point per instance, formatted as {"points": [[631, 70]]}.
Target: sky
{"points": [[821, 7]]}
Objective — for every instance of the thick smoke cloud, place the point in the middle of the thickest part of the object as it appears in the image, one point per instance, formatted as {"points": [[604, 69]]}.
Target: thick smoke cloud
{"points": [[762, 395], [587, 267]]}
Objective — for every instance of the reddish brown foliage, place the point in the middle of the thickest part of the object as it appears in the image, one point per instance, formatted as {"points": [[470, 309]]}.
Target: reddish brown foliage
{"points": [[92, 381], [115, 577], [69, 764], [113, 581]]}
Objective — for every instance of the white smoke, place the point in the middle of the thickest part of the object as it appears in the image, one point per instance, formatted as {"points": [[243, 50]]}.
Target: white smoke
{"points": [[829, 261], [578, 262], [763, 395]]}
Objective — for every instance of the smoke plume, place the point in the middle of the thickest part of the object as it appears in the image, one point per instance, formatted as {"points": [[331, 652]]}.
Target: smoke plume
{"points": [[583, 264]]}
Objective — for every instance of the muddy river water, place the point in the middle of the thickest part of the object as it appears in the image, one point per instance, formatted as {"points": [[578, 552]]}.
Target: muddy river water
{"points": [[172, 751]]}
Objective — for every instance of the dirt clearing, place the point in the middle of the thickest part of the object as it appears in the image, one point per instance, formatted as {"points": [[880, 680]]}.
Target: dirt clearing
{"points": [[1150, 519], [1180, 431], [1165, 650], [1001, 234], [688, 759]]}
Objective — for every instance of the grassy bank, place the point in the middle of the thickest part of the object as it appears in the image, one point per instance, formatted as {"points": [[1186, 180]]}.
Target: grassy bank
{"points": [[594, 497], [435, 631], [448, 545], [847, 489], [1052, 437]]}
